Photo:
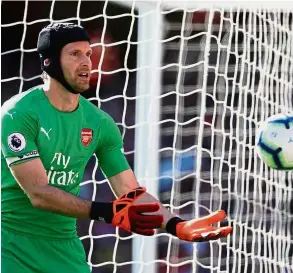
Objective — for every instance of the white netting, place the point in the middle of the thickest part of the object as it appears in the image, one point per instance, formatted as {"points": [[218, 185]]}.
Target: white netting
{"points": [[223, 72]]}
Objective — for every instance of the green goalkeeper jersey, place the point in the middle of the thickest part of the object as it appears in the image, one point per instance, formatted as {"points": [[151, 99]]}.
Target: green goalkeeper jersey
{"points": [[64, 141]]}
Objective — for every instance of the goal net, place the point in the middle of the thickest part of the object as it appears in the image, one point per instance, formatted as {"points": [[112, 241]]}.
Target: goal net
{"points": [[187, 85]]}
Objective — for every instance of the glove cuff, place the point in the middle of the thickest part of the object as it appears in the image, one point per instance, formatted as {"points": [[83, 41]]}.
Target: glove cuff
{"points": [[171, 225], [102, 211]]}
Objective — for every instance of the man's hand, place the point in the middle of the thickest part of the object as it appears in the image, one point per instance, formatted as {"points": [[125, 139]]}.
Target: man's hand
{"points": [[199, 230], [131, 217]]}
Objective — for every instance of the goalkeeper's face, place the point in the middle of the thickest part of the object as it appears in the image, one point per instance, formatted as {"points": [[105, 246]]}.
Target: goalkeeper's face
{"points": [[76, 65]]}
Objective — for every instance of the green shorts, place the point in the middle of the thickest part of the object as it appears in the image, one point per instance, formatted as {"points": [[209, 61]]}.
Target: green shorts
{"points": [[25, 254]]}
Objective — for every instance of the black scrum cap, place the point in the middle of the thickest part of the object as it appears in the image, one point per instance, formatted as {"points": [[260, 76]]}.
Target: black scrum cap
{"points": [[51, 40]]}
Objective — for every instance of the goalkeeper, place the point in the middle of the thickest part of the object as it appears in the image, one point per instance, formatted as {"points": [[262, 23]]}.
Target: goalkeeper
{"points": [[48, 135]]}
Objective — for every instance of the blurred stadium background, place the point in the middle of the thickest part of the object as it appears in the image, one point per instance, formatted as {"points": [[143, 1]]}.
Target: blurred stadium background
{"points": [[238, 87]]}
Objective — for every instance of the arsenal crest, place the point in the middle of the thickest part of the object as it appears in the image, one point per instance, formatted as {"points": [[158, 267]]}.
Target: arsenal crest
{"points": [[86, 136]]}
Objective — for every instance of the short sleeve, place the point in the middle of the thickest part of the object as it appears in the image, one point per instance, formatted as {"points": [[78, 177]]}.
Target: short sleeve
{"points": [[110, 154], [18, 133]]}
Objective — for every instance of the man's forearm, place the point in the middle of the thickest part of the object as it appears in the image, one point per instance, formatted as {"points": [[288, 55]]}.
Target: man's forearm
{"points": [[61, 202]]}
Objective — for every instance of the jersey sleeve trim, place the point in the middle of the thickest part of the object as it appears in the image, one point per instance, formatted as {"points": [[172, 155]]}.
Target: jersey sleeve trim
{"points": [[18, 159]]}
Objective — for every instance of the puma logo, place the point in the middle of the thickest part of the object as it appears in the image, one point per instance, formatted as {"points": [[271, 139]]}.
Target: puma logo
{"points": [[46, 133], [11, 115]]}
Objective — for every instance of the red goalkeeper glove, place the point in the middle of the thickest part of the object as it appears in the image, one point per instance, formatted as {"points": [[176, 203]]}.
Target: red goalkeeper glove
{"points": [[199, 230], [123, 213]]}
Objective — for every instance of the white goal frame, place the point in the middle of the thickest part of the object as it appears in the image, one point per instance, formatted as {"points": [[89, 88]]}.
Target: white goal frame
{"points": [[146, 164]]}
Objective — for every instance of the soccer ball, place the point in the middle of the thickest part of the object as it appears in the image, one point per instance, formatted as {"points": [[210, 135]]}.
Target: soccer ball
{"points": [[275, 142]]}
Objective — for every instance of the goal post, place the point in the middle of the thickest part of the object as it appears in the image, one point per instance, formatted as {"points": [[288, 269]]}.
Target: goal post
{"points": [[207, 73], [147, 116], [147, 132]]}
